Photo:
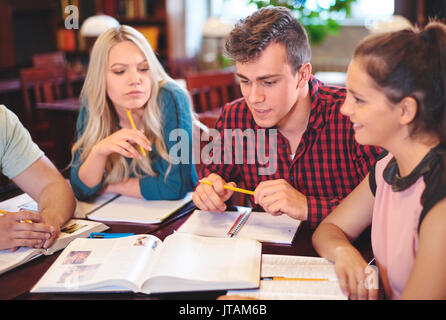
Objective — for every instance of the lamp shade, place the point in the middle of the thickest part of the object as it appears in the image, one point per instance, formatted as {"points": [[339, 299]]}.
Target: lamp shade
{"points": [[95, 25], [214, 27]]}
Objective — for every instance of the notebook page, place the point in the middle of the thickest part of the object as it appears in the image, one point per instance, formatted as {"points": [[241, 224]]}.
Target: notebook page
{"points": [[134, 210], [274, 265], [295, 267], [259, 226], [265, 227], [294, 290], [84, 208]]}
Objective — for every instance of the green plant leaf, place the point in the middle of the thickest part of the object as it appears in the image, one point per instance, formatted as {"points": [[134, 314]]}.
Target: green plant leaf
{"points": [[317, 27]]}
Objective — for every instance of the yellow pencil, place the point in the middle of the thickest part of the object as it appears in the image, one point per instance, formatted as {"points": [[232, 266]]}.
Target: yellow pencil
{"points": [[134, 128], [230, 188], [295, 279], [5, 212]]}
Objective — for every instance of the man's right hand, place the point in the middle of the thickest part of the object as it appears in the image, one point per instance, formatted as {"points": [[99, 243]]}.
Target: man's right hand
{"points": [[212, 198]]}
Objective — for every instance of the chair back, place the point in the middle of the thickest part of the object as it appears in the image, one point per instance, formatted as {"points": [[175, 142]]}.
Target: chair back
{"points": [[47, 85], [178, 68], [212, 90]]}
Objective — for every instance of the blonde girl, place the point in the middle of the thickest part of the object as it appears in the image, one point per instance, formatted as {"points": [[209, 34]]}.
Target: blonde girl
{"points": [[124, 76]]}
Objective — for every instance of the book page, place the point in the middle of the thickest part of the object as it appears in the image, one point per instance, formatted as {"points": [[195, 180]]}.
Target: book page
{"points": [[22, 200], [210, 224], [74, 228], [9, 259], [134, 210], [296, 267], [275, 265], [293, 290], [268, 228], [119, 264], [259, 226], [186, 256]]}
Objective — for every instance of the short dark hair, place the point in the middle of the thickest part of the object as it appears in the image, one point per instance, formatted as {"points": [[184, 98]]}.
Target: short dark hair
{"points": [[253, 34], [411, 63]]}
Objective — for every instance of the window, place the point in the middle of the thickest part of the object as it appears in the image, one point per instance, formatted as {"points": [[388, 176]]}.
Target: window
{"points": [[362, 11], [231, 10], [376, 9]]}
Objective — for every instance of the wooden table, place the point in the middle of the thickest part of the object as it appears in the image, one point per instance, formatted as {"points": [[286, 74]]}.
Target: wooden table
{"points": [[16, 283]]}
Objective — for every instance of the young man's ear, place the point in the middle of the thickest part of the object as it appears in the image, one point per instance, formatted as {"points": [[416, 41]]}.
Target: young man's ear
{"points": [[304, 73], [408, 110]]}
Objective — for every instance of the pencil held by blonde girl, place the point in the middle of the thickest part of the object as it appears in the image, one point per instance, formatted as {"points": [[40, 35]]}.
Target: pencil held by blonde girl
{"points": [[124, 74]]}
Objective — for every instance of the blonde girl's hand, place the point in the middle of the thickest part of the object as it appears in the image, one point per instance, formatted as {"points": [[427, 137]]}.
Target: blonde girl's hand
{"points": [[124, 142]]}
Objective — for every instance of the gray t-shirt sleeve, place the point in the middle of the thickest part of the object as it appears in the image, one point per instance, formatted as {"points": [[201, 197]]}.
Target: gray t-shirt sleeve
{"points": [[17, 150]]}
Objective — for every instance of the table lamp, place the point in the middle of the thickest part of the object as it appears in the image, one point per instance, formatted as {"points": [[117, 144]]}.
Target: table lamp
{"points": [[94, 26]]}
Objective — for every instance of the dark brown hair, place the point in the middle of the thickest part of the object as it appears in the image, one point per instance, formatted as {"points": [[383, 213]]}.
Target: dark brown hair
{"points": [[253, 34], [411, 63]]}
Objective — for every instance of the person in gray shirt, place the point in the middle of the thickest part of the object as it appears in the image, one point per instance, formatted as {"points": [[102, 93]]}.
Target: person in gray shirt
{"points": [[25, 164]]}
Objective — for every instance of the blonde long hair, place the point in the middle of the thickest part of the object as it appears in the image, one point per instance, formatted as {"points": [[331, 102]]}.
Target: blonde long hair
{"points": [[102, 117]]}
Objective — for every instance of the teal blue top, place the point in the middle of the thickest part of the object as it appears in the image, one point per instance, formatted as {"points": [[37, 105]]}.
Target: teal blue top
{"points": [[182, 177]]}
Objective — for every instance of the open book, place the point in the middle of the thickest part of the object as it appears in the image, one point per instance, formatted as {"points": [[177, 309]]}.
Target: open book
{"points": [[243, 224], [134, 210], [142, 263], [295, 278], [83, 208], [73, 229]]}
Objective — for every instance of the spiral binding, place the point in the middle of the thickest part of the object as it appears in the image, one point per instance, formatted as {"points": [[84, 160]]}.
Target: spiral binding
{"points": [[240, 224]]}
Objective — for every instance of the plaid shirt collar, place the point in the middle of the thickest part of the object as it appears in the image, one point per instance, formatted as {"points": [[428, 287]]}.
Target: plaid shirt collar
{"points": [[316, 119]]}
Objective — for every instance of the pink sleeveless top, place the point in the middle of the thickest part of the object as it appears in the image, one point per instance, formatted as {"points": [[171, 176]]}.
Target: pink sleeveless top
{"points": [[395, 229]]}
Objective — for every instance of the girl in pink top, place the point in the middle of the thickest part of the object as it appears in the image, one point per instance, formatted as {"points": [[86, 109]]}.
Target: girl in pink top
{"points": [[396, 99]]}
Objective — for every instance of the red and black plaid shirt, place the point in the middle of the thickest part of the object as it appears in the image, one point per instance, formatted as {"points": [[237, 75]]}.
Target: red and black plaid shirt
{"points": [[328, 162]]}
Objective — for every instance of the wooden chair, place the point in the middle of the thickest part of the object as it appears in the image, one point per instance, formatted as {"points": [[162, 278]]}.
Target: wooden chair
{"points": [[49, 59], [43, 84], [210, 91]]}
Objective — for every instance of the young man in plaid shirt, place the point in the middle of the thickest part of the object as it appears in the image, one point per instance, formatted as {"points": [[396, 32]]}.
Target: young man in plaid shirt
{"points": [[301, 157]]}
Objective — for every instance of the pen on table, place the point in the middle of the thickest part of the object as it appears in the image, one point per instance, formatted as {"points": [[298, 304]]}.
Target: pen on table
{"points": [[5, 212], [294, 279], [100, 235], [129, 115], [238, 224], [229, 188], [231, 231]]}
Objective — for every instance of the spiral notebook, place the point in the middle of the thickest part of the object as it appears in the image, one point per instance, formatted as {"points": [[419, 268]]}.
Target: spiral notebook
{"points": [[243, 224]]}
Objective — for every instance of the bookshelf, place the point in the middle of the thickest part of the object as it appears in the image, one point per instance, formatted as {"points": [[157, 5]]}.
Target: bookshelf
{"points": [[28, 27], [153, 18]]}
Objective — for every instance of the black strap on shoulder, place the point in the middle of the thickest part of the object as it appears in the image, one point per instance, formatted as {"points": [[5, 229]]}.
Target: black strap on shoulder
{"points": [[372, 178]]}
